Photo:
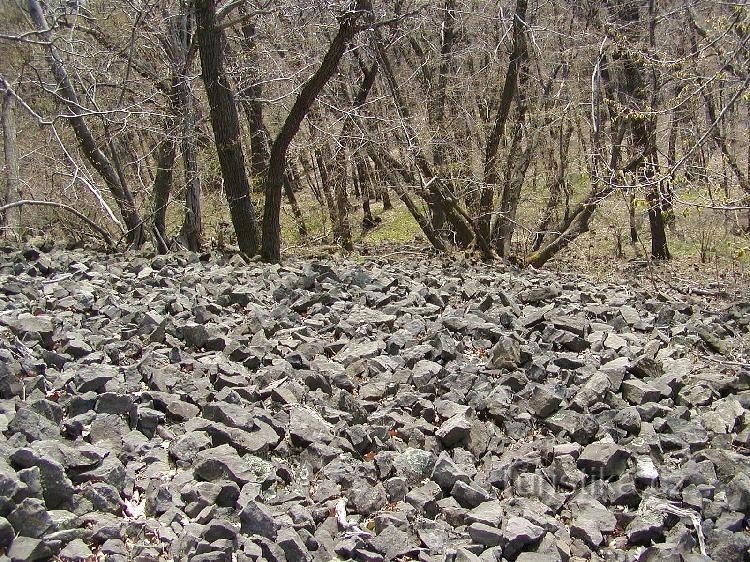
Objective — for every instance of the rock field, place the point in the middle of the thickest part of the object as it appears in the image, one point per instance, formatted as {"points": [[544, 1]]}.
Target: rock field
{"points": [[190, 407]]}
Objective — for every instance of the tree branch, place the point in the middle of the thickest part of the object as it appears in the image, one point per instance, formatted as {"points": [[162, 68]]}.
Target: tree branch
{"points": [[95, 227]]}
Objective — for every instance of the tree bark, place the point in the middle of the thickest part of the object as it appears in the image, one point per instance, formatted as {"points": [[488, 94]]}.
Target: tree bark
{"points": [[192, 224], [10, 219], [95, 155], [433, 192], [162, 187], [518, 57], [226, 127], [344, 158]]}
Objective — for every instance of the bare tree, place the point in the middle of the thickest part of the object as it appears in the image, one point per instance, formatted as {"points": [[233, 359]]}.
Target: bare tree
{"points": [[348, 27], [10, 219], [103, 164], [226, 126]]}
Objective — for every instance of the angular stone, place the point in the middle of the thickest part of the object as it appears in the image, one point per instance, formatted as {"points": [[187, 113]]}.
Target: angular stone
{"points": [[532, 485], [30, 518], [307, 427], [33, 426], [603, 460], [469, 496], [223, 463], [56, 486], [519, 533], [738, 493], [414, 464], [256, 519], [592, 391], [76, 551], [446, 473], [454, 430], [28, 549], [486, 535], [638, 392], [543, 401], [506, 354]]}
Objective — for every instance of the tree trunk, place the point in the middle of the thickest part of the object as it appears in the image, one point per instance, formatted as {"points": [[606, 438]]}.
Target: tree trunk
{"points": [[162, 187], [437, 114], [192, 227], [518, 58], [277, 163], [260, 143], [557, 186], [424, 223], [432, 190], [325, 186], [226, 127], [290, 180], [10, 220], [368, 221], [342, 161], [96, 156]]}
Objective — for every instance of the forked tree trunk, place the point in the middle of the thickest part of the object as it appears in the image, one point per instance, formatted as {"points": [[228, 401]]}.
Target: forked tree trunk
{"points": [[260, 139], [10, 220], [343, 160], [325, 186], [104, 166], [424, 223], [277, 163], [226, 127], [518, 58], [162, 187]]}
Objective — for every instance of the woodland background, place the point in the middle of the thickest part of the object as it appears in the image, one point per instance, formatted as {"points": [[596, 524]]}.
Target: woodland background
{"points": [[580, 131]]}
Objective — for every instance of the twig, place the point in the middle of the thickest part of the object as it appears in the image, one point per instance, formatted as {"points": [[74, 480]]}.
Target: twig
{"points": [[95, 227], [350, 529], [728, 363], [657, 505], [58, 279]]}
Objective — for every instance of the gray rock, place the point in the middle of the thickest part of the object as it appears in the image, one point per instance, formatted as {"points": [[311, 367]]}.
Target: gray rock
{"points": [[292, 545], [7, 534], [306, 427], [33, 426], [738, 493], [366, 499], [256, 519], [628, 419], [638, 392], [223, 463], [592, 391], [486, 535], [518, 534], [425, 498], [645, 528], [32, 328], [446, 472], [454, 431], [531, 485], [563, 472], [543, 401], [30, 518], [28, 549], [76, 551], [469, 496], [56, 486], [506, 354], [394, 543], [603, 460]]}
